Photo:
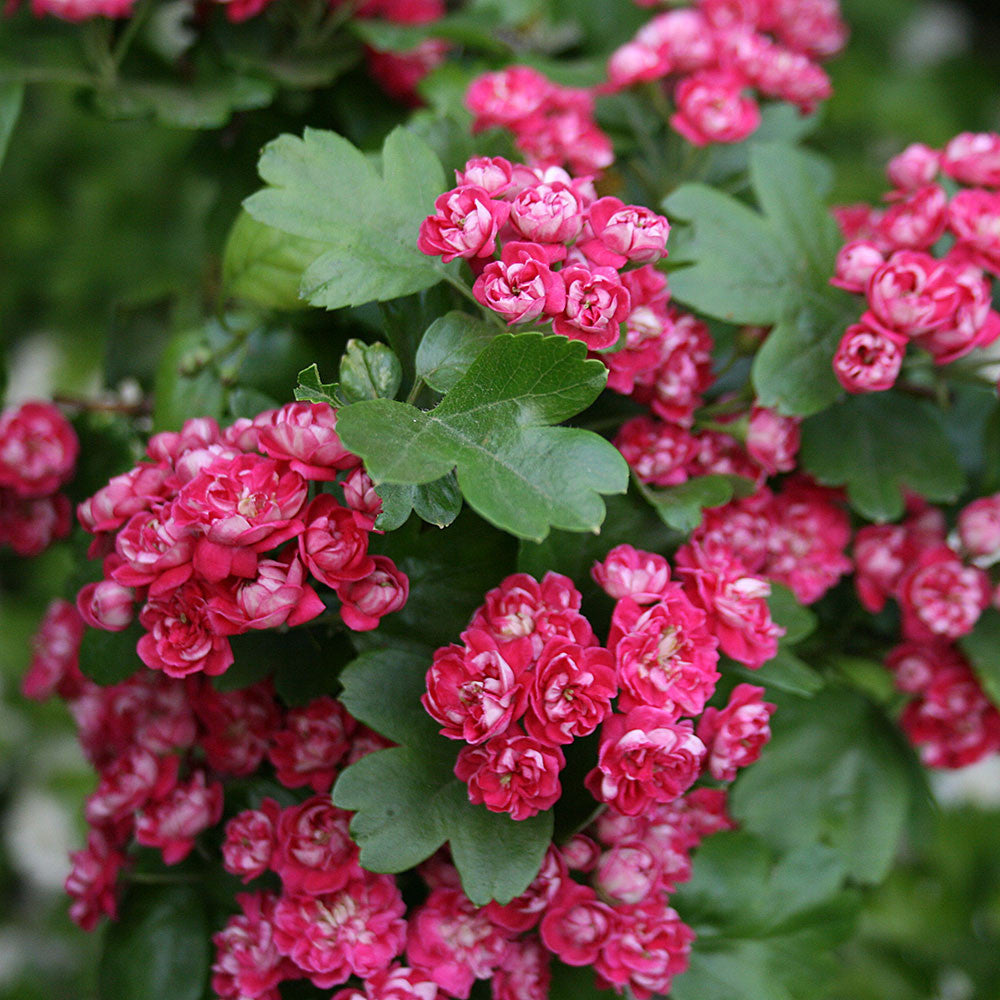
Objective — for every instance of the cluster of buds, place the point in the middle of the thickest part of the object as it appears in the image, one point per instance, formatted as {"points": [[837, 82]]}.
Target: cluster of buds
{"points": [[924, 264], [717, 57], [544, 248], [530, 677], [38, 452], [553, 126], [214, 533]]}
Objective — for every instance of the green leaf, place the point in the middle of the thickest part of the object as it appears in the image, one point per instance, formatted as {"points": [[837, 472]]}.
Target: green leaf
{"points": [[516, 472], [182, 389], [797, 620], [325, 189], [472, 30], [784, 672], [110, 657], [740, 271], [11, 99], [247, 403], [438, 503], [765, 928], [264, 265], [682, 506], [383, 687], [449, 347], [982, 647], [369, 371], [877, 445], [793, 369], [312, 389], [847, 770], [158, 948]]}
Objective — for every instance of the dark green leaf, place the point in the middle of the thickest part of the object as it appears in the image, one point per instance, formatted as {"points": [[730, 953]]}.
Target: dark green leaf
{"points": [[473, 30], [185, 385], [574, 982], [449, 347], [247, 403], [793, 370], [382, 688], [312, 389], [982, 647], [307, 668], [850, 775], [264, 265], [369, 371], [110, 657], [796, 620], [440, 502], [158, 948], [682, 506], [324, 189], [521, 475], [784, 672], [877, 445], [11, 98]]}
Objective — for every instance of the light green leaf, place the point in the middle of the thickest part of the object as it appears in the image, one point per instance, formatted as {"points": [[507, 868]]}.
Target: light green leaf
{"points": [[264, 265], [783, 672], [682, 507], [449, 347], [312, 389], [324, 189], [797, 621], [982, 647], [877, 445], [515, 471], [369, 371]]}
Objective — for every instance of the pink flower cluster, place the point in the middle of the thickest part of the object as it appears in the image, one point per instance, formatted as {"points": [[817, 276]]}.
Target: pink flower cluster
{"points": [[38, 452], [717, 57], [530, 677], [924, 264], [162, 748], [941, 588], [544, 247], [214, 534], [794, 535], [553, 126]]}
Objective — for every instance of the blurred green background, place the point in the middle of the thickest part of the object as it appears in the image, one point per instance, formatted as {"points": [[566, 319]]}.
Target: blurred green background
{"points": [[113, 234]]}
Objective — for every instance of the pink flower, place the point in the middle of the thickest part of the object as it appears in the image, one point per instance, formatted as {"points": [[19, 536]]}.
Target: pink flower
{"points": [[478, 690], [868, 358], [247, 960], [250, 841], [493, 174], [512, 773], [973, 158], [38, 450], [630, 572], [305, 436], [734, 600], [366, 601], [772, 440], [275, 596], [523, 912], [915, 665], [334, 546], [625, 233], [314, 852], [735, 735], [521, 286], [658, 452], [627, 873], [974, 218], [81, 10], [309, 747], [939, 596], [358, 930], [91, 883], [644, 757], [106, 605], [914, 168], [360, 496], [454, 942], [571, 691], [917, 220], [596, 303], [180, 639], [154, 552], [141, 488], [548, 213], [633, 63], [665, 654], [979, 530], [466, 224], [29, 527], [912, 293], [857, 261], [683, 37], [577, 925], [711, 108], [523, 973], [173, 822], [506, 97], [395, 983], [56, 654], [237, 726], [882, 553]]}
